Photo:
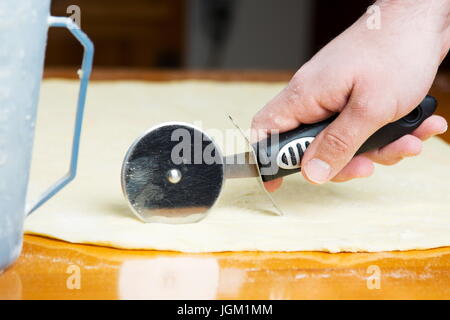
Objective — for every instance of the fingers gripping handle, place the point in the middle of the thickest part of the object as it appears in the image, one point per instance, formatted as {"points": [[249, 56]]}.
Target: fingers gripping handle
{"points": [[281, 155], [85, 72]]}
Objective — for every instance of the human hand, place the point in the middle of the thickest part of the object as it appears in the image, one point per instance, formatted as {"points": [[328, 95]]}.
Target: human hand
{"points": [[371, 77]]}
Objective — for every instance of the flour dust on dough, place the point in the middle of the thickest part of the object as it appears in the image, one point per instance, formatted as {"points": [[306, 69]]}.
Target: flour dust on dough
{"points": [[402, 207]]}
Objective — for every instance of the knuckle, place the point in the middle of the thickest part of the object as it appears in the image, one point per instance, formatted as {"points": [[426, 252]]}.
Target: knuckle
{"points": [[259, 127], [258, 120], [379, 113], [264, 120], [337, 143], [295, 91], [363, 109]]}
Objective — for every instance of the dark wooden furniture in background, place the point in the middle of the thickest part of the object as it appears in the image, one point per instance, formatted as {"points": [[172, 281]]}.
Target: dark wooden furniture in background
{"points": [[153, 33], [131, 33]]}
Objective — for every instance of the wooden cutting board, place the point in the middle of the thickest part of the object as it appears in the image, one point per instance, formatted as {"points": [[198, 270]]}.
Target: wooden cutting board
{"points": [[52, 269]]}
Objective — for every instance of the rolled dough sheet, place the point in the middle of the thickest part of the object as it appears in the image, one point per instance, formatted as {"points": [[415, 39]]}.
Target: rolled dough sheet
{"points": [[402, 207]]}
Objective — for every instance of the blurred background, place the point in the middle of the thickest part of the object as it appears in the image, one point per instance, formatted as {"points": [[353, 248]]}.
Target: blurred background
{"points": [[203, 34]]}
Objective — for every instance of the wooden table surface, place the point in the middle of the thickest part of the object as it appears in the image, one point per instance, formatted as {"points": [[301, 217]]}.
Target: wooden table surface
{"points": [[51, 269]]}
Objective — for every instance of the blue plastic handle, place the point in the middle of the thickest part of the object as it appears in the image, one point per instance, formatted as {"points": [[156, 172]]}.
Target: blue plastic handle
{"points": [[85, 72]]}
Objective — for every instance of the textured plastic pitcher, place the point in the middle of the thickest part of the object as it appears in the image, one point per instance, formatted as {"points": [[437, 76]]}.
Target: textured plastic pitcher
{"points": [[23, 35]]}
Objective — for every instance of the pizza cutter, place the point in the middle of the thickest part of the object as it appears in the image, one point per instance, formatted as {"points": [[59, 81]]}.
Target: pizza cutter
{"points": [[174, 172]]}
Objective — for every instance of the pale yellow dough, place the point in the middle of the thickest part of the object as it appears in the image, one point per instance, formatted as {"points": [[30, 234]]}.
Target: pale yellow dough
{"points": [[402, 207]]}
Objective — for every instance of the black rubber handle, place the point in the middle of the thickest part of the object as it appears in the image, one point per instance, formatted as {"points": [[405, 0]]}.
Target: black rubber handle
{"points": [[281, 155]]}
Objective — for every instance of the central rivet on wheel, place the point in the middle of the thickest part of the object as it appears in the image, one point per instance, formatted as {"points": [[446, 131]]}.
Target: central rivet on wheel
{"points": [[174, 176]]}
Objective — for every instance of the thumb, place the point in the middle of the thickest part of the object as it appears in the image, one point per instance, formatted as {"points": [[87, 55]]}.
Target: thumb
{"points": [[286, 111], [335, 146]]}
